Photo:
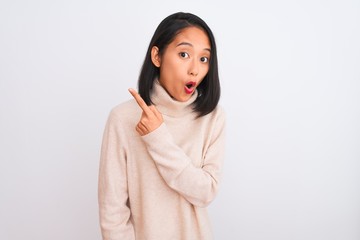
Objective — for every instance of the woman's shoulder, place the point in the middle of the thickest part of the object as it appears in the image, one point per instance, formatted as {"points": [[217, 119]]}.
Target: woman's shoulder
{"points": [[220, 109], [218, 112], [125, 110], [215, 117]]}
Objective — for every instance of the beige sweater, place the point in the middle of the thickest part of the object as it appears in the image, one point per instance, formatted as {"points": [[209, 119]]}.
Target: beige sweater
{"points": [[157, 187]]}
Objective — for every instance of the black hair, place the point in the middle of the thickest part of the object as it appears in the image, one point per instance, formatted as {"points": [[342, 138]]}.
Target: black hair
{"points": [[209, 88]]}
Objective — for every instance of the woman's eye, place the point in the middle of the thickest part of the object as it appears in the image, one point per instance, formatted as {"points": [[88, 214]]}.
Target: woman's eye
{"points": [[184, 55], [204, 59]]}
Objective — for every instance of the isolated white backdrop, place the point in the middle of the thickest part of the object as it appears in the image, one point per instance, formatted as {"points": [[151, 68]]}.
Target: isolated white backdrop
{"points": [[290, 73]]}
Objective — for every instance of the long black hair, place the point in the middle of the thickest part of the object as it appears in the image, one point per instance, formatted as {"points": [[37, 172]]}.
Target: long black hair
{"points": [[209, 88]]}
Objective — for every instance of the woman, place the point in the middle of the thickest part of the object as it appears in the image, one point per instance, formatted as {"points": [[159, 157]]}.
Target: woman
{"points": [[162, 151]]}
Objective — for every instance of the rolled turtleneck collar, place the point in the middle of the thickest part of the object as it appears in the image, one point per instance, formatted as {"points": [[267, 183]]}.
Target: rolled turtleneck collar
{"points": [[169, 106]]}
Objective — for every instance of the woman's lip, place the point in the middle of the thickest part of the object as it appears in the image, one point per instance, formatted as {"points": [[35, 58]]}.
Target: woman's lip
{"points": [[190, 89]]}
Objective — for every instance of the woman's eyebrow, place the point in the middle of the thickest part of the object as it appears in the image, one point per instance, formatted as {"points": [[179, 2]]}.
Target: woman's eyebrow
{"points": [[189, 44]]}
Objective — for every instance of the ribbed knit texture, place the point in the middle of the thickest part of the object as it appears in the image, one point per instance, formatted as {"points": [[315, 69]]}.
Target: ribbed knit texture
{"points": [[157, 187]]}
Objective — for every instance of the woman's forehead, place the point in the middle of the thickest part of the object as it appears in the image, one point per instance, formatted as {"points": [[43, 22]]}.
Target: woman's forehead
{"points": [[193, 37]]}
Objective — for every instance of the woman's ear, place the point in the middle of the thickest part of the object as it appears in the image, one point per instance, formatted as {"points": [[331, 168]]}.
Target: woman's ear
{"points": [[155, 57]]}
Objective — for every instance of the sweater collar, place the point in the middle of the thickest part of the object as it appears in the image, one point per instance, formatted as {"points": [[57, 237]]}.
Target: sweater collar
{"points": [[167, 105]]}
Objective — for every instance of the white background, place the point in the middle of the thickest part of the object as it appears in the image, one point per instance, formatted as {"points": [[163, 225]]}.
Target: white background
{"points": [[290, 73]]}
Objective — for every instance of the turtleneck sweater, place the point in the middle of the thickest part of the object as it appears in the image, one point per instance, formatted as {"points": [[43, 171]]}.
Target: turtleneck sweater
{"points": [[157, 186]]}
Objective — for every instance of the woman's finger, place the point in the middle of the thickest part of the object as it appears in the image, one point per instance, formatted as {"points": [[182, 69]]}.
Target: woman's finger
{"points": [[140, 130], [156, 112], [140, 101]]}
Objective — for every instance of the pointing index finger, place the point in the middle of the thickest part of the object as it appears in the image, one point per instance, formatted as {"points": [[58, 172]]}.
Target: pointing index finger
{"points": [[142, 104]]}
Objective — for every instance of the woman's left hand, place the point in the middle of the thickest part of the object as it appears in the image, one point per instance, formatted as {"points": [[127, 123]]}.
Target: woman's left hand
{"points": [[150, 119]]}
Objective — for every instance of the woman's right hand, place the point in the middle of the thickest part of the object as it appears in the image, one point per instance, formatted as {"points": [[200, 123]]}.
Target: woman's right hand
{"points": [[150, 119]]}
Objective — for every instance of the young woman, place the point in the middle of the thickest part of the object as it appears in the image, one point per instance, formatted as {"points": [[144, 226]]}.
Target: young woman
{"points": [[162, 151]]}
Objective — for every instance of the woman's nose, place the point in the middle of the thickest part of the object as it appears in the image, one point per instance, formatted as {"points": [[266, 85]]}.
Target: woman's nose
{"points": [[194, 68]]}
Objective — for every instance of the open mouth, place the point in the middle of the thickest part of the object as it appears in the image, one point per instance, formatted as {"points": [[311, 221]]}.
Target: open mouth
{"points": [[190, 87]]}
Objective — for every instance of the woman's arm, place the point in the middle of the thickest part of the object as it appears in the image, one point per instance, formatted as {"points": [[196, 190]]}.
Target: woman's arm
{"points": [[198, 185], [112, 189]]}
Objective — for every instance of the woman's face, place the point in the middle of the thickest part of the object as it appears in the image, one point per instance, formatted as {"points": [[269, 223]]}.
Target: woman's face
{"points": [[184, 63]]}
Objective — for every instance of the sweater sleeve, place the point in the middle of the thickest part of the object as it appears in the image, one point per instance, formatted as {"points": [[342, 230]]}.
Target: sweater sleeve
{"points": [[112, 186], [198, 185]]}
